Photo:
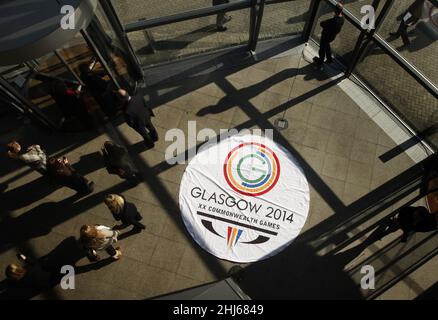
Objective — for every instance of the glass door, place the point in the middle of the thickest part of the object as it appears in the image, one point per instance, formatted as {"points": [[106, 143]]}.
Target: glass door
{"points": [[190, 28], [112, 50]]}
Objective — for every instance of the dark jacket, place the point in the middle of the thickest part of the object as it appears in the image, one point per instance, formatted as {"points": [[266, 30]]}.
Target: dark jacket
{"points": [[137, 113], [66, 175], [331, 28], [116, 158], [416, 8], [94, 82], [417, 219], [129, 214], [67, 102], [59, 171]]}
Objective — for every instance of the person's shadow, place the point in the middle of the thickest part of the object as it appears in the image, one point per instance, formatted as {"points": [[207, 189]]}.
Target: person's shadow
{"points": [[36, 222], [68, 252], [27, 194], [43, 186]]}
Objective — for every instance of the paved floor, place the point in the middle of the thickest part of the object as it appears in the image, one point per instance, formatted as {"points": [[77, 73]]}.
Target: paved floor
{"points": [[402, 93], [199, 35], [336, 140]]}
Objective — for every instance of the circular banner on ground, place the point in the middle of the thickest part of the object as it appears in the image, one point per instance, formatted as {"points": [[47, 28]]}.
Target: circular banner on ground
{"points": [[244, 199]]}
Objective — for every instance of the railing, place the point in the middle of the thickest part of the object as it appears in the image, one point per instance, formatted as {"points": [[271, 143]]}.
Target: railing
{"points": [[257, 6]]}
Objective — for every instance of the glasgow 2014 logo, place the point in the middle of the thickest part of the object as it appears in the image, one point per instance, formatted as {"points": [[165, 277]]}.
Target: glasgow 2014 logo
{"points": [[251, 169], [234, 208]]}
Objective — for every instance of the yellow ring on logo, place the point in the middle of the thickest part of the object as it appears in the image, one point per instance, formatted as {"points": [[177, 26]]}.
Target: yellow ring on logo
{"points": [[252, 190]]}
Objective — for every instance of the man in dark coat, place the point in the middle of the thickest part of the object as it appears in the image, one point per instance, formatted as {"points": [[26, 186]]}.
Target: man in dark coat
{"points": [[330, 29], [138, 116], [117, 162], [221, 18], [98, 88], [70, 103]]}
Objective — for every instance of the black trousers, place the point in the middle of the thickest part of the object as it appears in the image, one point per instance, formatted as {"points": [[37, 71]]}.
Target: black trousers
{"points": [[413, 219], [221, 17], [76, 182], [148, 132], [325, 51], [403, 29], [111, 251]]}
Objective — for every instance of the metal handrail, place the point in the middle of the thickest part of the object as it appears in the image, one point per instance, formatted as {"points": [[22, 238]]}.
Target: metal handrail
{"points": [[410, 68], [394, 54]]}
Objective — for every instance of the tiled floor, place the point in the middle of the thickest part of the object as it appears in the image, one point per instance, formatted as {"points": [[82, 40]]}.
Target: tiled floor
{"points": [[195, 36], [335, 140]]}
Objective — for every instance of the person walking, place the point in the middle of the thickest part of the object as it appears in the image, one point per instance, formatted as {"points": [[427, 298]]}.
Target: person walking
{"points": [[330, 29], [34, 156], [124, 211], [221, 18], [96, 238], [117, 162], [412, 219], [70, 103], [99, 88], [409, 18], [64, 174], [30, 275], [138, 116]]}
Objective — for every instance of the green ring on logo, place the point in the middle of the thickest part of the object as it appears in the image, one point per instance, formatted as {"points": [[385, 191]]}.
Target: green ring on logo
{"points": [[239, 171]]}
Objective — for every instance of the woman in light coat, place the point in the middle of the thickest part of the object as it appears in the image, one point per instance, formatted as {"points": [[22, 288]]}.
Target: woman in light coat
{"points": [[97, 238]]}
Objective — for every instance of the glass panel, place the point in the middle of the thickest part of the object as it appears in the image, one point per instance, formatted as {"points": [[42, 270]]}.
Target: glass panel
{"points": [[76, 52], [35, 80], [51, 65], [110, 47], [419, 45], [355, 7], [11, 113], [133, 10], [16, 75], [190, 37], [49, 69], [345, 42], [283, 19], [400, 91]]}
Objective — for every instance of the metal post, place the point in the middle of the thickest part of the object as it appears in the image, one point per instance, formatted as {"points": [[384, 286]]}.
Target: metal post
{"points": [[361, 46], [313, 9], [68, 67], [252, 23], [101, 59], [358, 49], [261, 8], [121, 35]]}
